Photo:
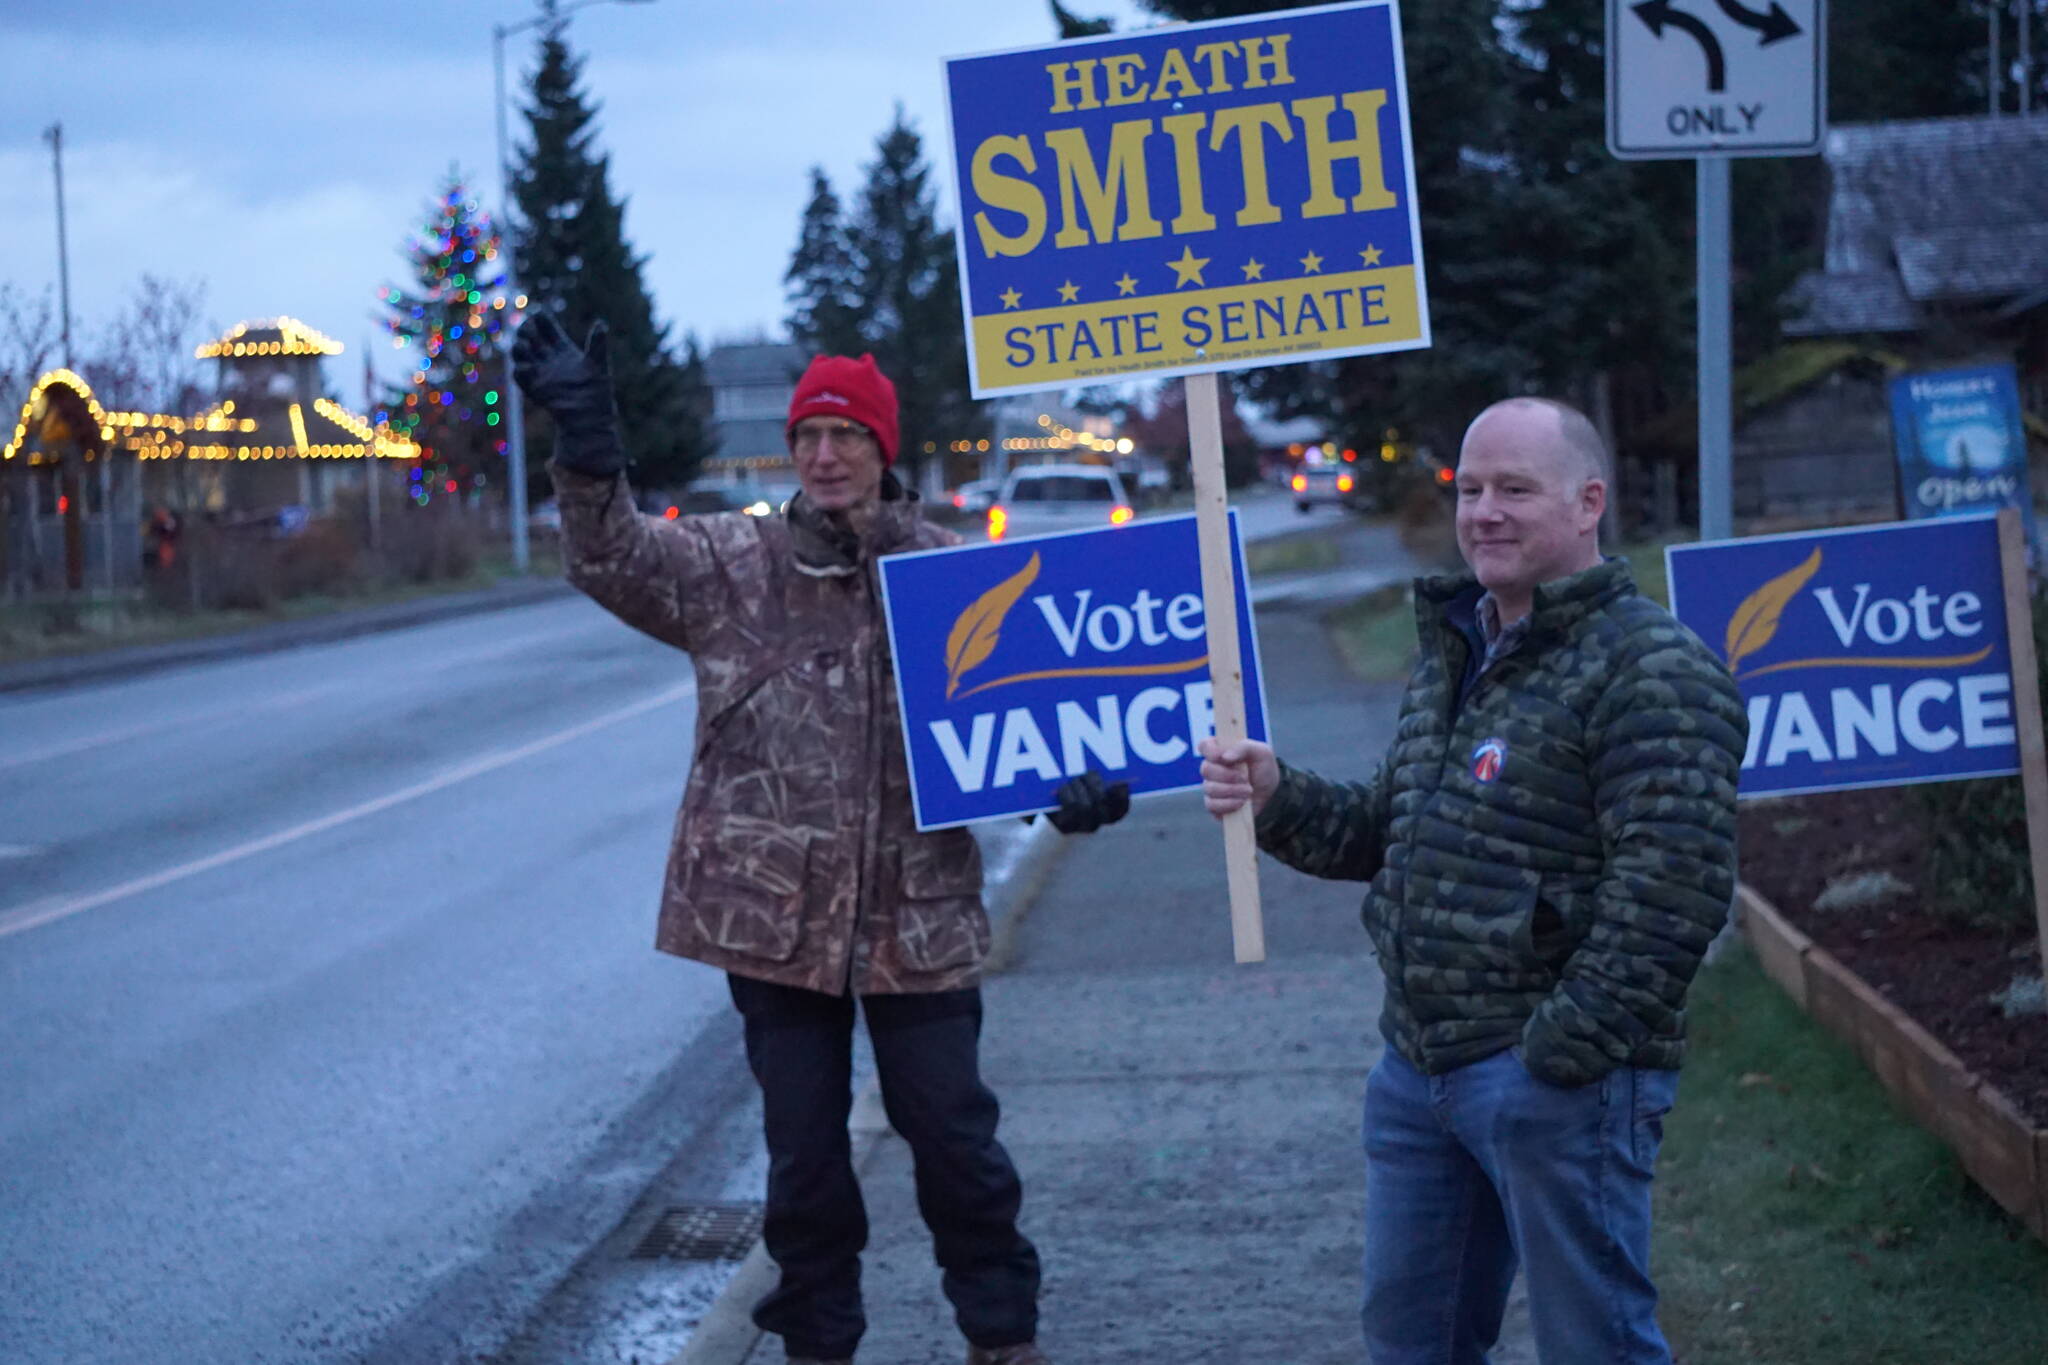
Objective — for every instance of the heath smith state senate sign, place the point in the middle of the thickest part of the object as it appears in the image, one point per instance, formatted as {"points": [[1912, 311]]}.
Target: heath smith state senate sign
{"points": [[1195, 198]]}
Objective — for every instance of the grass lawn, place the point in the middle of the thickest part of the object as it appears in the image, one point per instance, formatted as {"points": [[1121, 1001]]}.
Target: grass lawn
{"points": [[1291, 554], [1801, 1220], [1376, 632], [114, 624]]}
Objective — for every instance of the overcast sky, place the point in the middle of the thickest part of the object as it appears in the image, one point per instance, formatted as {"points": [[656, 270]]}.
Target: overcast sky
{"points": [[282, 152]]}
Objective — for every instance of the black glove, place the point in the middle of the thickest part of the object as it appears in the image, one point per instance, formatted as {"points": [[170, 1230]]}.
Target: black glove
{"points": [[575, 386], [1085, 804]]}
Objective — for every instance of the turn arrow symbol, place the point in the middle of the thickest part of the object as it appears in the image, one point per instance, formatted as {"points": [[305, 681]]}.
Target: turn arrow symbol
{"points": [[1770, 27], [1657, 13]]}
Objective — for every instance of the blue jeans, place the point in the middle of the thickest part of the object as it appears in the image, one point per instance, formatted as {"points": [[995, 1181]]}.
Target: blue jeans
{"points": [[1472, 1173]]}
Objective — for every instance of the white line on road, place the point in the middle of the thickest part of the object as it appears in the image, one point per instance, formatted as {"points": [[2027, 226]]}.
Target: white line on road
{"points": [[47, 911], [385, 685]]}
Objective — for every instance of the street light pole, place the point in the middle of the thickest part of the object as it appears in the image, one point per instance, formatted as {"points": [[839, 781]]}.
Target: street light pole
{"points": [[515, 419], [54, 135], [552, 14]]}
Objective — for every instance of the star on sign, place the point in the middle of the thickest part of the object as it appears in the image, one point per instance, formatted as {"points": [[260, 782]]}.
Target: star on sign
{"points": [[1254, 270], [1371, 254], [1188, 269], [1069, 292], [1127, 285], [1311, 264], [1010, 297]]}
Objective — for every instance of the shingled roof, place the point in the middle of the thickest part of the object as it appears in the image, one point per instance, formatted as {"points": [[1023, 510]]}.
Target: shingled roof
{"points": [[748, 362], [1924, 212]]}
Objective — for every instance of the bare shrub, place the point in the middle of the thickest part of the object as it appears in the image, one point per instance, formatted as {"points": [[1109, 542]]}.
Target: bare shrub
{"points": [[322, 560], [427, 544]]}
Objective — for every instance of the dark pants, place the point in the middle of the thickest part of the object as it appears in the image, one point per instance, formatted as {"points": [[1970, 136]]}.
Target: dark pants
{"points": [[800, 1045]]}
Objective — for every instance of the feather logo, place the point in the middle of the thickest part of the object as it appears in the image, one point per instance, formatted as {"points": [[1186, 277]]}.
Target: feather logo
{"points": [[1756, 620], [973, 637]]}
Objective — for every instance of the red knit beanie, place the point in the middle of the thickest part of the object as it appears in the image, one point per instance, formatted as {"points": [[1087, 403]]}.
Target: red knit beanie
{"points": [[857, 390]]}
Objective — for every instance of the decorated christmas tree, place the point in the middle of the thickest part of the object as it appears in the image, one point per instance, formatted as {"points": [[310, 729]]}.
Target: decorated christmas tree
{"points": [[455, 327]]}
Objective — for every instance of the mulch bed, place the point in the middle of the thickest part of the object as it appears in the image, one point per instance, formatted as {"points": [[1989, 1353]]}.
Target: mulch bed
{"points": [[1940, 971]]}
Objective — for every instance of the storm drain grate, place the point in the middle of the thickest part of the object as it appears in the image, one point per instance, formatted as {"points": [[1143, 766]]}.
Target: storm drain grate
{"points": [[702, 1232]]}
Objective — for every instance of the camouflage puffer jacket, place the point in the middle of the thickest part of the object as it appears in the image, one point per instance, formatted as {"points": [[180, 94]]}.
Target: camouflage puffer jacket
{"points": [[796, 858], [1550, 856]]}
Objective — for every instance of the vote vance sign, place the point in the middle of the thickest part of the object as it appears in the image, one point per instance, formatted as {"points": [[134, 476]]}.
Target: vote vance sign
{"points": [[1868, 657], [1024, 663], [1201, 197]]}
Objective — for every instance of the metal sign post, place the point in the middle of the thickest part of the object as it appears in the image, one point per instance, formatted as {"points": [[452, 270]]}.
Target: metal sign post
{"points": [[1710, 80], [1717, 422]]}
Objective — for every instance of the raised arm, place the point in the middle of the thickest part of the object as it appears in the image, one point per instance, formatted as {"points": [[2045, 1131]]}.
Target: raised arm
{"points": [[639, 568]]}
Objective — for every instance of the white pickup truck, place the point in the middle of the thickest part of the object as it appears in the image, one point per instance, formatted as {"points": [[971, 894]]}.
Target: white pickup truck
{"points": [[1058, 497]]}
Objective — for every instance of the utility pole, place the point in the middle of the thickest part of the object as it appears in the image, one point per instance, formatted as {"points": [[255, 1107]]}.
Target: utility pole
{"points": [[2026, 57], [373, 472], [1993, 77]]}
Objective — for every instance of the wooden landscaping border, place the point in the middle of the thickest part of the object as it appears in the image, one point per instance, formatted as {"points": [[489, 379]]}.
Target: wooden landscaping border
{"points": [[2000, 1149]]}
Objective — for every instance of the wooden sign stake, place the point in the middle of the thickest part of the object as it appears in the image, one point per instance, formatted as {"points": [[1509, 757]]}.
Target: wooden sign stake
{"points": [[1226, 671], [2026, 708]]}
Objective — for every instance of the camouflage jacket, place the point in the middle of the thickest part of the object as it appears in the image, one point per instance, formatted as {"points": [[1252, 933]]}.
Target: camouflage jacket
{"points": [[796, 856], [1550, 856]]}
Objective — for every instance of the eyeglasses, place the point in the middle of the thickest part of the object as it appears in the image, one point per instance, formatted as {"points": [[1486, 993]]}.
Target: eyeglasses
{"points": [[844, 435]]}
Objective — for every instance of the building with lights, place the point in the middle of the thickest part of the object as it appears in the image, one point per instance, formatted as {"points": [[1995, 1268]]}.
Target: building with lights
{"points": [[77, 481]]}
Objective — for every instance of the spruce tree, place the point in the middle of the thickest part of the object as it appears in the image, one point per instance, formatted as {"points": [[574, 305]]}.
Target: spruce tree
{"points": [[575, 262], [908, 283], [1552, 266], [821, 283], [451, 324], [1072, 25], [1458, 75], [885, 280]]}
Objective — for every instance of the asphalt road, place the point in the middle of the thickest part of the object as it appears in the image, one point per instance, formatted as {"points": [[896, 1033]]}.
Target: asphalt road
{"points": [[330, 1027], [318, 971]]}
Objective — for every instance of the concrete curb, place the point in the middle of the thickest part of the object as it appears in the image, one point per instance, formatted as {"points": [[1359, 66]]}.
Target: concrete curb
{"points": [[64, 670], [726, 1335]]}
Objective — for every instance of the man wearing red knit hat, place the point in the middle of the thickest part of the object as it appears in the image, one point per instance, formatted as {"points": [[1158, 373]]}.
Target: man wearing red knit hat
{"points": [[797, 866]]}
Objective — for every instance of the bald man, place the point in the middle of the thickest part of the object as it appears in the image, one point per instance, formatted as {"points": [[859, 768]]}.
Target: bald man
{"points": [[1550, 843]]}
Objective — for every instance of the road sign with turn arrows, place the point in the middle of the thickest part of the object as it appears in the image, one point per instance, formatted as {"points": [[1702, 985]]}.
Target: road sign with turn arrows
{"points": [[1689, 78]]}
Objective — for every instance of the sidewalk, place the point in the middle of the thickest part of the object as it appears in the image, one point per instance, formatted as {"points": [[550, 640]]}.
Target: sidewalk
{"points": [[1187, 1129]]}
